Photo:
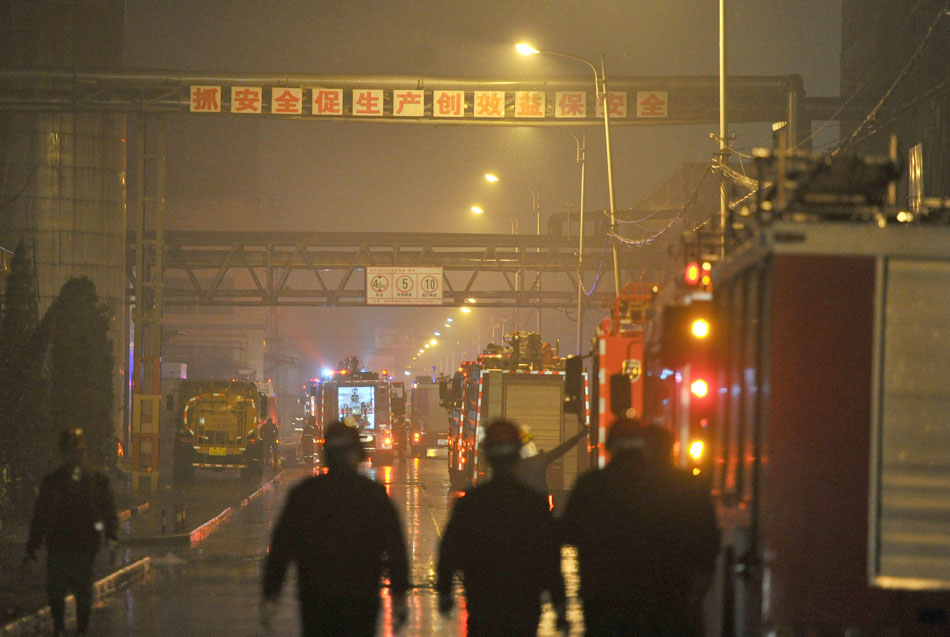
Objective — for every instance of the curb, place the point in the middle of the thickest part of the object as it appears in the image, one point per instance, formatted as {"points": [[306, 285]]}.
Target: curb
{"points": [[128, 513], [264, 487], [31, 624], [204, 530]]}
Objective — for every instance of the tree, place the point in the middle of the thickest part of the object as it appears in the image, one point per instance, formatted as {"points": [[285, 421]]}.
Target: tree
{"points": [[20, 317], [18, 388], [79, 367]]}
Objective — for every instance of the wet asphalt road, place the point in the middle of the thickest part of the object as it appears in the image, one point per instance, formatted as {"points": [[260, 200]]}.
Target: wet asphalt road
{"points": [[213, 587]]}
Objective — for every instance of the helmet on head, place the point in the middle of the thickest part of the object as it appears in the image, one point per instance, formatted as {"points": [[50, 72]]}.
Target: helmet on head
{"points": [[71, 439], [340, 438], [502, 440], [626, 434]]}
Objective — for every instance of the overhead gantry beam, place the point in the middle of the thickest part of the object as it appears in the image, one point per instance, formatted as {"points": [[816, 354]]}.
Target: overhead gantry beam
{"points": [[690, 99], [328, 268]]}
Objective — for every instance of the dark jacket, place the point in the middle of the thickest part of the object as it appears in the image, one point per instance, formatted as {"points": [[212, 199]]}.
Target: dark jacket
{"points": [[68, 510], [642, 532], [342, 531], [501, 536]]}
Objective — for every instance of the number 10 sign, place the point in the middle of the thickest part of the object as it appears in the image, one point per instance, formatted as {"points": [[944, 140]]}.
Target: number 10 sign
{"points": [[403, 286]]}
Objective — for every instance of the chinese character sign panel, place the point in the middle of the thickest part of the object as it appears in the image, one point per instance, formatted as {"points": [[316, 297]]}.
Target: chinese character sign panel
{"points": [[205, 99], [326, 101], [403, 286], [652, 104], [247, 99], [286, 101]]}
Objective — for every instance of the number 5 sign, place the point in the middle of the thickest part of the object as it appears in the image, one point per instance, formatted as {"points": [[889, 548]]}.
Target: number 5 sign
{"points": [[403, 286]]}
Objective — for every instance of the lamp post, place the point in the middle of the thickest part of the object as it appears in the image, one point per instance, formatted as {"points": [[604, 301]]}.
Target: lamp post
{"points": [[477, 210], [600, 88], [582, 160], [536, 207]]}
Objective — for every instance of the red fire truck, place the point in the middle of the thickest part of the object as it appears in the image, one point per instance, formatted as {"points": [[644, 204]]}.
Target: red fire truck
{"points": [[832, 424], [816, 388], [360, 397]]}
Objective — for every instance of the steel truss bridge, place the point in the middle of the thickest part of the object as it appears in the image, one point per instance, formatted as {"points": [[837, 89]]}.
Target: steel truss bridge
{"points": [[328, 268]]}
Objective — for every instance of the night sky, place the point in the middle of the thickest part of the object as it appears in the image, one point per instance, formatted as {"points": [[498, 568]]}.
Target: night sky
{"points": [[231, 173]]}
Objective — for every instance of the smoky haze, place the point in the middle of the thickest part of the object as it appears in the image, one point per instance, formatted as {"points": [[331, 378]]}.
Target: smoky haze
{"points": [[226, 172]]}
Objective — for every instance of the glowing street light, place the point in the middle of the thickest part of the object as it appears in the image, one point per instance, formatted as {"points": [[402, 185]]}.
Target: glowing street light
{"points": [[514, 222], [433, 342], [535, 197], [465, 310]]}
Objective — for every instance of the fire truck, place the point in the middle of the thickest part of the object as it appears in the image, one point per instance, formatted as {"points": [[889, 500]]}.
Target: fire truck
{"points": [[360, 397], [828, 425], [803, 376], [428, 419], [516, 382], [218, 425]]}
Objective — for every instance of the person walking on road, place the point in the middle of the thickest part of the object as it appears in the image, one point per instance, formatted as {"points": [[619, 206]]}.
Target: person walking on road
{"points": [[343, 532], [75, 511], [533, 467], [502, 538], [646, 537]]}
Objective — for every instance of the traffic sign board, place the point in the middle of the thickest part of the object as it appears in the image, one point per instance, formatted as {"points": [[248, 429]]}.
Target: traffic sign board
{"points": [[403, 286]]}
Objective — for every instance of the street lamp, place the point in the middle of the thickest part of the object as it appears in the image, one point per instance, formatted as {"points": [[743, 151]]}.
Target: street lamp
{"points": [[535, 197], [600, 88], [536, 207], [478, 210]]}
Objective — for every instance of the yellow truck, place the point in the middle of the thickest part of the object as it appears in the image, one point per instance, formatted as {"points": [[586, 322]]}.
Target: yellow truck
{"points": [[218, 426]]}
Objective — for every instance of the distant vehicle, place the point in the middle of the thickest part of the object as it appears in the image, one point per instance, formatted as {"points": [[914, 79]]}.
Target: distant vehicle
{"points": [[218, 426], [360, 397], [428, 420], [515, 383]]}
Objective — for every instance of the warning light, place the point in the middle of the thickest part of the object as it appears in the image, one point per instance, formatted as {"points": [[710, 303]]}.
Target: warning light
{"points": [[700, 328], [699, 388], [693, 274]]}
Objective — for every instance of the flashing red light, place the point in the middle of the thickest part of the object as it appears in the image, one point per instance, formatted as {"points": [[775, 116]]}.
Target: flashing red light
{"points": [[693, 274], [699, 388]]}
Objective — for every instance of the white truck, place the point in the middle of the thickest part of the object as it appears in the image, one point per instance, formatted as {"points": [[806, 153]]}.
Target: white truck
{"points": [[533, 399]]}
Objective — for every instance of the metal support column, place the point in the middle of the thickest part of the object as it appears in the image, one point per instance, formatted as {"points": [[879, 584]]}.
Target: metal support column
{"points": [[149, 206]]}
